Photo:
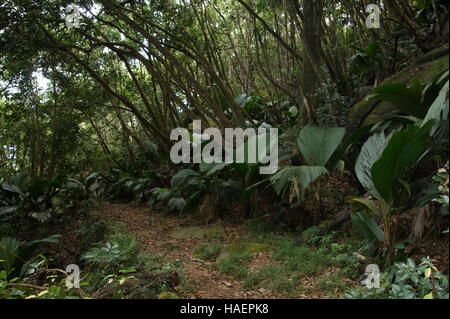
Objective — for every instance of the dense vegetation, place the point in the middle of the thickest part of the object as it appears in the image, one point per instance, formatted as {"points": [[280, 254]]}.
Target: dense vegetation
{"points": [[86, 115]]}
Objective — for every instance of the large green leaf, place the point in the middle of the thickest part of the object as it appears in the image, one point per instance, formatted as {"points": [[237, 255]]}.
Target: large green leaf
{"points": [[91, 179], [17, 255], [21, 180], [9, 253], [304, 175], [403, 150], [12, 188], [49, 240], [414, 100], [356, 137], [181, 176], [406, 98], [212, 168], [176, 204], [367, 227], [317, 144], [360, 203], [7, 210], [431, 92], [37, 188], [252, 151], [439, 109], [370, 153]]}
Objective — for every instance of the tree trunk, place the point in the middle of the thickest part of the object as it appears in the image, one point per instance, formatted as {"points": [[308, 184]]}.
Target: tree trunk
{"points": [[312, 31]]}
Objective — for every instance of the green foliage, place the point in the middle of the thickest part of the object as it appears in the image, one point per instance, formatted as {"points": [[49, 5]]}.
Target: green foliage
{"points": [[120, 251], [272, 277], [43, 199], [307, 262], [370, 153], [208, 252], [304, 176], [437, 192], [317, 145], [356, 137], [103, 255], [406, 98], [17, 257], [418, 99], [176, 204], [7, 210], [384, 164], [9, 251], [368, 59], [204, 188], [439, 109], [301, 259], [438, 112], [262, 112], [234, 264], [346, 256], [146, 153], [167, 295], [404, 149], [85, 189], [29, 197], [406, 280], [140, 188], [332, 283], [12, 288], [117, 266], [365, 225], [381, 168], [106, 107], [441, 198]]}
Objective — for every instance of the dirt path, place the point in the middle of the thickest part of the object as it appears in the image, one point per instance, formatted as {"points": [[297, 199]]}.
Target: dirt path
{"points": [[154, 233]]}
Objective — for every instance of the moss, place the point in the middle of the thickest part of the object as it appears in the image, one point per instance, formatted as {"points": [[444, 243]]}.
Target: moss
{"points": [[214, 235], [430, 70], [167, 295], [195, 232], [382, 111], [248, 249], [374, 111], [361, 109], [251, 248], [207, 252]]}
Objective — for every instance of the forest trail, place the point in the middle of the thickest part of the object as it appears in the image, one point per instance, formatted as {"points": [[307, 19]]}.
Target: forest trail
{"points": [[155, 231]]}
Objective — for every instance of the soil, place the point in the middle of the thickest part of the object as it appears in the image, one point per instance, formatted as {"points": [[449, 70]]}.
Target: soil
{"points": [[154, 231], [177, 237]]}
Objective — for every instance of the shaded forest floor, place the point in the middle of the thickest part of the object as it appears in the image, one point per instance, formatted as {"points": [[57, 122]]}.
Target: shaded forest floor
{"points": [[233, 261]]}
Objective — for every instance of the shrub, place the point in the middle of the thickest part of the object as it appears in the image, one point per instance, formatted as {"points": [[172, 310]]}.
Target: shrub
{"points": [[406, 280]]}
